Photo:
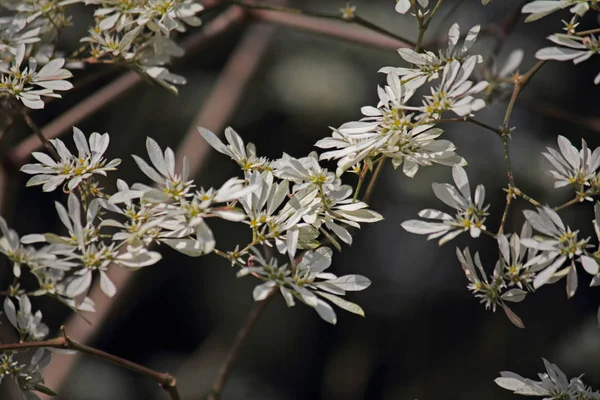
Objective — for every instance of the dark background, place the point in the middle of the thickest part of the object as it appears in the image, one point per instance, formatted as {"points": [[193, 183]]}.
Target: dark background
{"points": [[424, 335]]}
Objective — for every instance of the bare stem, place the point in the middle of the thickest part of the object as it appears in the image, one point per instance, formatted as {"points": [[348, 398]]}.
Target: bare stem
{"points": [[242, 335], [509, 173], [588, 32], [568, 204], [509, 197], [361, 179], [371, 186], [166, 381], [528, 198], [475, 122]]}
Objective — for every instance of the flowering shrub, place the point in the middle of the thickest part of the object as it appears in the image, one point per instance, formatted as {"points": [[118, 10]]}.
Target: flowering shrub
{"points": [[296, 211]]}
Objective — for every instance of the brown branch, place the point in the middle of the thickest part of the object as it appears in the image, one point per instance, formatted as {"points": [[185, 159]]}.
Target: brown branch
{"points": [[166, 381], [371, 187], [349, 17], [336, 29], [240, 339]]}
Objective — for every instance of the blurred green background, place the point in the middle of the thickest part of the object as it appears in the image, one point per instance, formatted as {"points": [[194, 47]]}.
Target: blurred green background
{"points": [[424, 336]]}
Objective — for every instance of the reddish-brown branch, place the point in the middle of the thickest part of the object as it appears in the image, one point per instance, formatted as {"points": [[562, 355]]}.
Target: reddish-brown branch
{"points": [[236, 347], [340, 30], [166, 381]]}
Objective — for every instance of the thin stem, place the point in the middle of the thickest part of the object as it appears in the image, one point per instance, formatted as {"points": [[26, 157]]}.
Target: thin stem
{"points": [[433, 12], [490, 234], [509, 197], [166, 381], [528, 198], [375, 28], [568, 203], [361, 179], [511, 105], [579, 197], [588, 32], [371, 186], [38, 132], [240, 339], [475, 122], [509, 173], [524, 80]]}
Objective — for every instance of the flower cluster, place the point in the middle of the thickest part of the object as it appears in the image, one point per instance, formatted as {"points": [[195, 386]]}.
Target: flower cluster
{"points": [[139, 32], [526, 262], [572, 45], [553, 384], [27, 85], [307, 281], [296, 204], [406, 133], [470, 216], [135, 33]]}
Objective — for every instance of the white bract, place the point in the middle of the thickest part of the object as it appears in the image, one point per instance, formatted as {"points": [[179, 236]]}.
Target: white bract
{"points": [[574, 167], [306, 281], [27, 85], [389, 131], [470, 215], [572, 48], [428, 65], [560, 245], [72, 169], [553, 384], [540, 8]]}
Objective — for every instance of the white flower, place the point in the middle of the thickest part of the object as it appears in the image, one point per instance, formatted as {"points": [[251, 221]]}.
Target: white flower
{"points": [[29, 325], [572, 166], [245, 156], [454, 92], [540, 8], [575, 48], [470, 214], [389, 130], [402, 6], [71, 168], [308, 283], [559, 244], [428, 64], [171, 186], [20, 83], [553, 383], [14, 248]]}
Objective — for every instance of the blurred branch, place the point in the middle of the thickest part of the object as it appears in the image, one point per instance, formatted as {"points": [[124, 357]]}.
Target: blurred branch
{"points": [[348, 16], [166, 381], [240, 339], [226, 94], [371, 187], [591, 123], [336, 27], [214, 114], [110, 92]]}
